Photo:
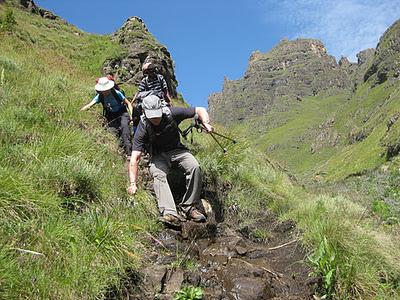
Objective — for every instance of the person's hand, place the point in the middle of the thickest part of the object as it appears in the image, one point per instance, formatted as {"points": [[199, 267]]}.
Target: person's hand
{"points": [[208, 127], [132, 188]]}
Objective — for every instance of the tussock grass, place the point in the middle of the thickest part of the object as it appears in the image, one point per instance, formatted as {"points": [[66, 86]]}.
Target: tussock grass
{"points": [[68, 230], [363, 253]]}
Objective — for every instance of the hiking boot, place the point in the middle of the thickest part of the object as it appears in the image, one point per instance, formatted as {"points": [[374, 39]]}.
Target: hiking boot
{"points": [[170, 220], [182, 217], [195, 215]]}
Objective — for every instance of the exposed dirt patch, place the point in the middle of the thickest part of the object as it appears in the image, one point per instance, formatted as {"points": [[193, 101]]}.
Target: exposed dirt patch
{"points": [[226, 261], [261, 260]]}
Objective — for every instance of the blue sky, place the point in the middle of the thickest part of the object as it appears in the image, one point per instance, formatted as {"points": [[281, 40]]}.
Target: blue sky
{"points": [[209, 40]]}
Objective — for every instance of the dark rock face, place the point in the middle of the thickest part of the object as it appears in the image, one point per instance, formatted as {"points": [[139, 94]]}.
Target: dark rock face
{"points": [[291, 70], [33, 8], [365, 56], [141, 47], [386, 62]]}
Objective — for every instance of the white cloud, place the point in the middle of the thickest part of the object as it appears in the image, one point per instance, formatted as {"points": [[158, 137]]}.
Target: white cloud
{"points": [[345, 26]]}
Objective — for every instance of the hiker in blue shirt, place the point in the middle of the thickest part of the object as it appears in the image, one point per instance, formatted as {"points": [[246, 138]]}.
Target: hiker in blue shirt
{"points": [[117, 110]]}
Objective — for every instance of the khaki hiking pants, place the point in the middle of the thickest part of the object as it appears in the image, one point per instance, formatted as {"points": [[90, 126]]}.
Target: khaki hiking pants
{"points": [[160, 165]]}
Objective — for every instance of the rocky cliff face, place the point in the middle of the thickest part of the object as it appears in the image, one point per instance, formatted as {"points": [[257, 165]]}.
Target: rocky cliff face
{"points": [[141, 47], [386, 61], [290, 71], [33, 8]]}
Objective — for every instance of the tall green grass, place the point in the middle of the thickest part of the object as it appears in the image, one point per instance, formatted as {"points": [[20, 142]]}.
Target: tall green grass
{"points": [[67, 227], [354, 253]]}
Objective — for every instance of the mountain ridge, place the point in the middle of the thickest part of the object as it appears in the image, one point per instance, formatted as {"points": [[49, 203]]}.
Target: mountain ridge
{"points": [[345, 106], [290, 70]]}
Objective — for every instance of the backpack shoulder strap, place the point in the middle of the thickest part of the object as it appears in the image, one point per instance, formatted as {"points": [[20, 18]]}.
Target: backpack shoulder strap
{"points": [[167, 112], [101, 99], [115, 95]]}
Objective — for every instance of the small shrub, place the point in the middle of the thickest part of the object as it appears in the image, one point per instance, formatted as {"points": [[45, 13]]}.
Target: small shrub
{"points": [[8, 64], [189, 293]]}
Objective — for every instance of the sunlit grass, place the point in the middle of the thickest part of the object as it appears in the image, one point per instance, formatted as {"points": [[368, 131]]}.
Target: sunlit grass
{"points": [[68, 230]]}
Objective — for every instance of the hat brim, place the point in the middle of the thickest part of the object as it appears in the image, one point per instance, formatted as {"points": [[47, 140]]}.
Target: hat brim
{"points": [[153, 113], [104, 87]]}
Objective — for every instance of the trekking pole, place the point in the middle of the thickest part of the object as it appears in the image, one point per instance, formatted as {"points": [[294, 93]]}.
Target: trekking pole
{"points": [[219, 144], [200, 125], [225, 137]]}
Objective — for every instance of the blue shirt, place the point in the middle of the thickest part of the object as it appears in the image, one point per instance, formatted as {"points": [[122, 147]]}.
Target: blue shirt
{"points": [[111, 104]]}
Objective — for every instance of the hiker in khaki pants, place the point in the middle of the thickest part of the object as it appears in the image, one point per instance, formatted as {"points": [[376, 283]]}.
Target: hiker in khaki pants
{"points": [[158, 134]]}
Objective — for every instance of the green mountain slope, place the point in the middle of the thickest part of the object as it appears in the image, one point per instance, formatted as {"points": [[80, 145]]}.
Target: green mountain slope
{"points": [[62, 177], [68, 229], [344, 124]]}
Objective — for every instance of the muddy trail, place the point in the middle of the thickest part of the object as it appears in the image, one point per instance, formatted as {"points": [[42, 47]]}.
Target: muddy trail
{"points": [[228, 258]]}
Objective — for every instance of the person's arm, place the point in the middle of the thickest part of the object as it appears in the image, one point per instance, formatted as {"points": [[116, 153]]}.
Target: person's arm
{"points": [[167, 96], [130, 108], [133, 171], [89, 105], [204, 118], [134, 97]]}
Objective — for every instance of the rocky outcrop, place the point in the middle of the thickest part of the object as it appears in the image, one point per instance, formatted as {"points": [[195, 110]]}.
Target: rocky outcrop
{"points": [[141, 47], [386, 61], [326, 136], [139, 44], [33, 8], [290, 71], [356, 71]]}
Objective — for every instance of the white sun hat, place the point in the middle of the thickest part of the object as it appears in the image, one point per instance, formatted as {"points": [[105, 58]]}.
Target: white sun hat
{"points": [[104, 84]]}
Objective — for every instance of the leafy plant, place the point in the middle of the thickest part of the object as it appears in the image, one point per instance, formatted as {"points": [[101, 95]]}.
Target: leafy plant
{"points": [[189, 293], [325, 262]]}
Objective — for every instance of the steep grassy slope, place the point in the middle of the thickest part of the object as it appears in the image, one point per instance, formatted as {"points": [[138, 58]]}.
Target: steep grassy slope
{"points": [[67, 228], [329, 139], [355, 254], [62, 180], [332, 135]]}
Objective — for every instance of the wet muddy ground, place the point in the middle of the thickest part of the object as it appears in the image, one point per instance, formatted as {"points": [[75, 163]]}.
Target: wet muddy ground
{"points": [[226, 262], [262, 259]]}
